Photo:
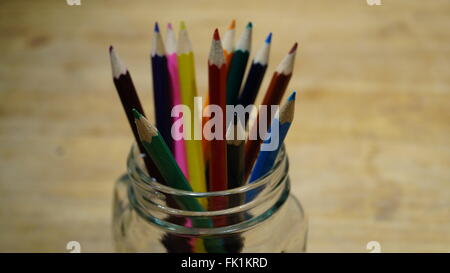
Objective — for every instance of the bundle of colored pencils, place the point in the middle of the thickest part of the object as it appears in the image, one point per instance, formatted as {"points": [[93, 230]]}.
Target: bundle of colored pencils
{"points": [[224, 159]]}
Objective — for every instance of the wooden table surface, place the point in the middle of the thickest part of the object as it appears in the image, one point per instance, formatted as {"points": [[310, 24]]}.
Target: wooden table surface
{"points": [[369, 150]]}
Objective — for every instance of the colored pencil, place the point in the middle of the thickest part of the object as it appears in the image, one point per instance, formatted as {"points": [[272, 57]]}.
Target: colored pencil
{"points": [[188, 90], [161, 88], [235, 170], [129, 99], [217, 146], [266, 159], [235, 153], [157, 149], [205, 142], [256, 74], [179, 149], [238, 64], [228, 43], [179, 145], [274, 93], [161, 155]]}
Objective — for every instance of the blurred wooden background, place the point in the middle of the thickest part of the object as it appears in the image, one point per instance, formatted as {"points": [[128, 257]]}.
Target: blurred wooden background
{"points": [[369, 150]]}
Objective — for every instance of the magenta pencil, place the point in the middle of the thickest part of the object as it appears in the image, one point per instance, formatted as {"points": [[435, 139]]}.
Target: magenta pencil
{"points": [[172, 65]]}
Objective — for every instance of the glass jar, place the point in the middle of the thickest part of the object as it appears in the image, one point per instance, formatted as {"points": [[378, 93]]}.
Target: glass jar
{"points": [[146, 218]]}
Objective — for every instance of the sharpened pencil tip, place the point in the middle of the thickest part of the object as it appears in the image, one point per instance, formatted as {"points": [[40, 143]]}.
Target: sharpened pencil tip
{"points": [[292, 96], [136, 114], [169, 26], [118, 68], [232, 24], [293, 49], [249, 25], [182, 25], [216, 35], [156, 27], [269, 38]]}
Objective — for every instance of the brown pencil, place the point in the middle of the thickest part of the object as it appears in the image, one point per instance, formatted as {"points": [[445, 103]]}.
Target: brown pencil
{"points": [[275, 92], [129, 98]]}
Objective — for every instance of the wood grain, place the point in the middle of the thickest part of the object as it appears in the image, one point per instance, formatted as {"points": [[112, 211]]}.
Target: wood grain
{"points": [[369, 148]]}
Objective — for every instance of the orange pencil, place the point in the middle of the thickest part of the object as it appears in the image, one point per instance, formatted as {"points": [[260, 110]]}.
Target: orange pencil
{"points": [[228, 43]]}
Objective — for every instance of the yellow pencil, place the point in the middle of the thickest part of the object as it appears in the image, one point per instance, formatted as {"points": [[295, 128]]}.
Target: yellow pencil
{"points": [[194, 151]]}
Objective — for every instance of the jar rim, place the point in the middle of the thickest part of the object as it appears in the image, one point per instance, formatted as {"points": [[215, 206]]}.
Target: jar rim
{"points": [[151, 183], [148, 197], [229, 229]]}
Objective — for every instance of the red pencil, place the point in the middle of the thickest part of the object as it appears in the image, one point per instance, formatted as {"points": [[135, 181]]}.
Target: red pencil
{"points": [[275, 92], [218, 147]]}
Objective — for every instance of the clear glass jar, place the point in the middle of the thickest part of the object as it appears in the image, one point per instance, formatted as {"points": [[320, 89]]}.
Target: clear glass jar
{"points": [[146, 218]]}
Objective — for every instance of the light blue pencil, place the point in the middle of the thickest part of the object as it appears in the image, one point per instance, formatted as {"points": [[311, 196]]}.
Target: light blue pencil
{"points": [[266, 159]]}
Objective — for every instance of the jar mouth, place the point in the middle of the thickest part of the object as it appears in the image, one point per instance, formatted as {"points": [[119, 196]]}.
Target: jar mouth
{"points": [[137, 173], [243, 207], [239, 227]]}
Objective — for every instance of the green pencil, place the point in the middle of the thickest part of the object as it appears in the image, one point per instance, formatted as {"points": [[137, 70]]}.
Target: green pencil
{"points": [[168, 167], [238, 64], [152, 141]]}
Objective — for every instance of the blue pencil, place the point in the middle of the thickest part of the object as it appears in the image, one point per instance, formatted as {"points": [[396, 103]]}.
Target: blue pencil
{"points": [[266, 159], [161, 88], [256, 74]]}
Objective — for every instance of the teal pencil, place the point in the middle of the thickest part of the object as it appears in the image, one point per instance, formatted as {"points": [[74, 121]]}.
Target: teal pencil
{"points": [[238, 64]]}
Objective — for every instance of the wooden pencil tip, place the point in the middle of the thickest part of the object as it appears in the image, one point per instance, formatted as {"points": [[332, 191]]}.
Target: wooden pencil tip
{"points": [[293, 49], [292, 96], [249, 25], [118, 68], [145, 129], [156, 27], [136, 114], [216, 35], [232, 24], [182, 25], [287, 110], [269, 38], [169, 26]]}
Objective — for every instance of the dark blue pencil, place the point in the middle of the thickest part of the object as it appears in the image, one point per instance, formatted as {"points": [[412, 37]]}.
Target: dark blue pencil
{"points": [[256, 74], [161, 88], [266, 159]]}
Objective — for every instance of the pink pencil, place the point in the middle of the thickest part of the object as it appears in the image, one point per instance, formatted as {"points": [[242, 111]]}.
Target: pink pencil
{"points": [[172, 65], [179, 147]]}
